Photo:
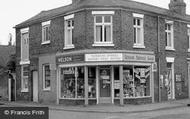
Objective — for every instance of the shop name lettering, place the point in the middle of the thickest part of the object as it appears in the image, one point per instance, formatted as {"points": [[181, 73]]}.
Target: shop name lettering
{"points": [[138, 58], [65, 59]]}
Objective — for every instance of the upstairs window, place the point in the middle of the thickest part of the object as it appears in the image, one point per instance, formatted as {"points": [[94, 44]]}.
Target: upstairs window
{"points": [[169, 35], [69, 26], [138, 30], [24, 46], [188, 35], [103, 28], [46, 32], [46, 77]]}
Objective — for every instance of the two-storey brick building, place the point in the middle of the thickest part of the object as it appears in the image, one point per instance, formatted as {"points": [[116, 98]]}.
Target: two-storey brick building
{"points": [[104, 51]]}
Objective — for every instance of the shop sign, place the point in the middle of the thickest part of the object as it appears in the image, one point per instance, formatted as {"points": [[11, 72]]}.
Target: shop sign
{"points": [[104, 57], [178, 78], [138, 57], [67, 59]]}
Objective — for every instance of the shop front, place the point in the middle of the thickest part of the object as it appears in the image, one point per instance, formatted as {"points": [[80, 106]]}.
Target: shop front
{"points": [[95, 78]]}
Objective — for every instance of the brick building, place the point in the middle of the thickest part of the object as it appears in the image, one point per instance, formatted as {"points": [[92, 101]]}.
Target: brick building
{"points": [[104, 51]]}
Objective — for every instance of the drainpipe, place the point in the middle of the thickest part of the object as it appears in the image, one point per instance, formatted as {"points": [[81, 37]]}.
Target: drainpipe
{"points": [[158, 57]]}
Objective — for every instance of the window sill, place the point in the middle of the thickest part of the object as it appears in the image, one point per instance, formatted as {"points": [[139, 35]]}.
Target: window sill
{"points": [[103, 44], [138, 46], [24, 90], [24, 62], [170, 49], [69, 47], [45, 42], [46, 89]]}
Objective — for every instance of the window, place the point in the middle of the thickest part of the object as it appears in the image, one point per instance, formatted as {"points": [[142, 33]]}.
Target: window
{"points": [[69, 26], [138, 31], [24, 78], [136, 81], [72, 82], [188, 35], [24, 46], [46, 77], [169, 35], [103, 32], [46, 32], [91, 82]]}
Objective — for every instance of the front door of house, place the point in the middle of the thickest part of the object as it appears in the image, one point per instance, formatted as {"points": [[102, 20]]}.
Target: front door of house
{"points": [[105, 84]]}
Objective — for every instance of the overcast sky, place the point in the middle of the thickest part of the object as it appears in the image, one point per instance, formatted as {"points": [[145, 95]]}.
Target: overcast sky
{"points": [[13, 12]]}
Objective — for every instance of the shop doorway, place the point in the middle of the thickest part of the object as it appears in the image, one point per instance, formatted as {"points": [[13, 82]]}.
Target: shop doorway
{"points": [[170, 81], [35, 86], [11, 87], [105, 84]]}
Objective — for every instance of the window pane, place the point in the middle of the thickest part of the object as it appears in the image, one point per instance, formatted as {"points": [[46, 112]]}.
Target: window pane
{"points": [[25, 46], [169, 39], [25, 83], [47, 76], [169, 26], [47, 34], [166, 38], [98, 19], [138, 36], [107, 19], [79, 75], [72, 23], [135, 35], [134, 21], [107, 35], [92, 82], [166, 27], [142, 81], [68, 23], [68, 40], [138, 22], [98, 33]]}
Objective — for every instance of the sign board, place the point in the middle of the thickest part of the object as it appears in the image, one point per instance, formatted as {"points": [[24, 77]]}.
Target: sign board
{"points": [[138, 57], [178, 77], [69, 59], [104, 57]]}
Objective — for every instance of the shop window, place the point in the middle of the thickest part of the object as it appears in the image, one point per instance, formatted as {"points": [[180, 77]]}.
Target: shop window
{"points": [[138, 30], [72, 82], [46, 77], [116, 82], [136, 81], [24, 77], [92, 82], [103, 28], [46, 32], [69, 26], [169, 35]]}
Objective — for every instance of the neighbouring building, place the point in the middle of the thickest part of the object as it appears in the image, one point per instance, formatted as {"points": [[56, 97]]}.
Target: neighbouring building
{"points": [[7, 73], [104, 51]]}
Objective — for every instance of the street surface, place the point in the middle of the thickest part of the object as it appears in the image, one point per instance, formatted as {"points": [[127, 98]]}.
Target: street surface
{"points": [[175, 113]]}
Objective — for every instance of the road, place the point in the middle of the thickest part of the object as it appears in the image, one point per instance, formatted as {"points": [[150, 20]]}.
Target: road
{"points": [[176, 113]]}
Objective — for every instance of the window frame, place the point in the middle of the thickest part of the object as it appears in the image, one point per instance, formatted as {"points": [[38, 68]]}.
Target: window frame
{"points": [[188, 36], [44, 77], [141, 27], [103, 14], [23, 89], [171, 31], [66, 29], [44, 38]]}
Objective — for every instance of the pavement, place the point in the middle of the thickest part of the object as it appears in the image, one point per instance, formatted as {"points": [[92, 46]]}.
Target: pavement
{"points": [[105, 108]]}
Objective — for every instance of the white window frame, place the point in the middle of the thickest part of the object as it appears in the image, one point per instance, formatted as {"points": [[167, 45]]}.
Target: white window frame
{"points": [[103, 24], [44, 26], [172, 35], [141, 27], [71, 28], [23, 31], [43, 76], [23, 89], [188, 34]]}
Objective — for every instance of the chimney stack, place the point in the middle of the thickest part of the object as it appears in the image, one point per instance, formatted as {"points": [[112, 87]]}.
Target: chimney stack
{"points": [[178, 6]]}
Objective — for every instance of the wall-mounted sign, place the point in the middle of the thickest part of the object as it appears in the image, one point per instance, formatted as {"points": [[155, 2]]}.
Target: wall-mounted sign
{"points": [[66, 59], [104, 57], [138, 57], [178, 77]]}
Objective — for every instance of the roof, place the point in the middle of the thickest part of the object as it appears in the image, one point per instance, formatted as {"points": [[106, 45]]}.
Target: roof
{"points": [[5, 53], [128, 4]]}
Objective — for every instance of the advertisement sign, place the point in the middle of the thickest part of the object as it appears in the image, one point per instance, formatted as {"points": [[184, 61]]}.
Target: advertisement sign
{"points": [[69, 59]]}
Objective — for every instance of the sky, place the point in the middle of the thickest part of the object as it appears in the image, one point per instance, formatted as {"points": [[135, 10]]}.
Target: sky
{"points": [[14, 12]]}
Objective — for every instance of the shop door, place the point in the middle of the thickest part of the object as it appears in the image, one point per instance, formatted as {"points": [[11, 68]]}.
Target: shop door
{"points": [[169, 81], [35, 86], [105, 84]]}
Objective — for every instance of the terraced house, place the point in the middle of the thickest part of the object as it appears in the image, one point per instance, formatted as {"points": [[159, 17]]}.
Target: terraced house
{"points": [[104, 51]]}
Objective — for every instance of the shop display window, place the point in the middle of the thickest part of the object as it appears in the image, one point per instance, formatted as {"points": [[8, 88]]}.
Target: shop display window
{"points": [[72, 82], [116, 82], [136, 81], [92, 82]]}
